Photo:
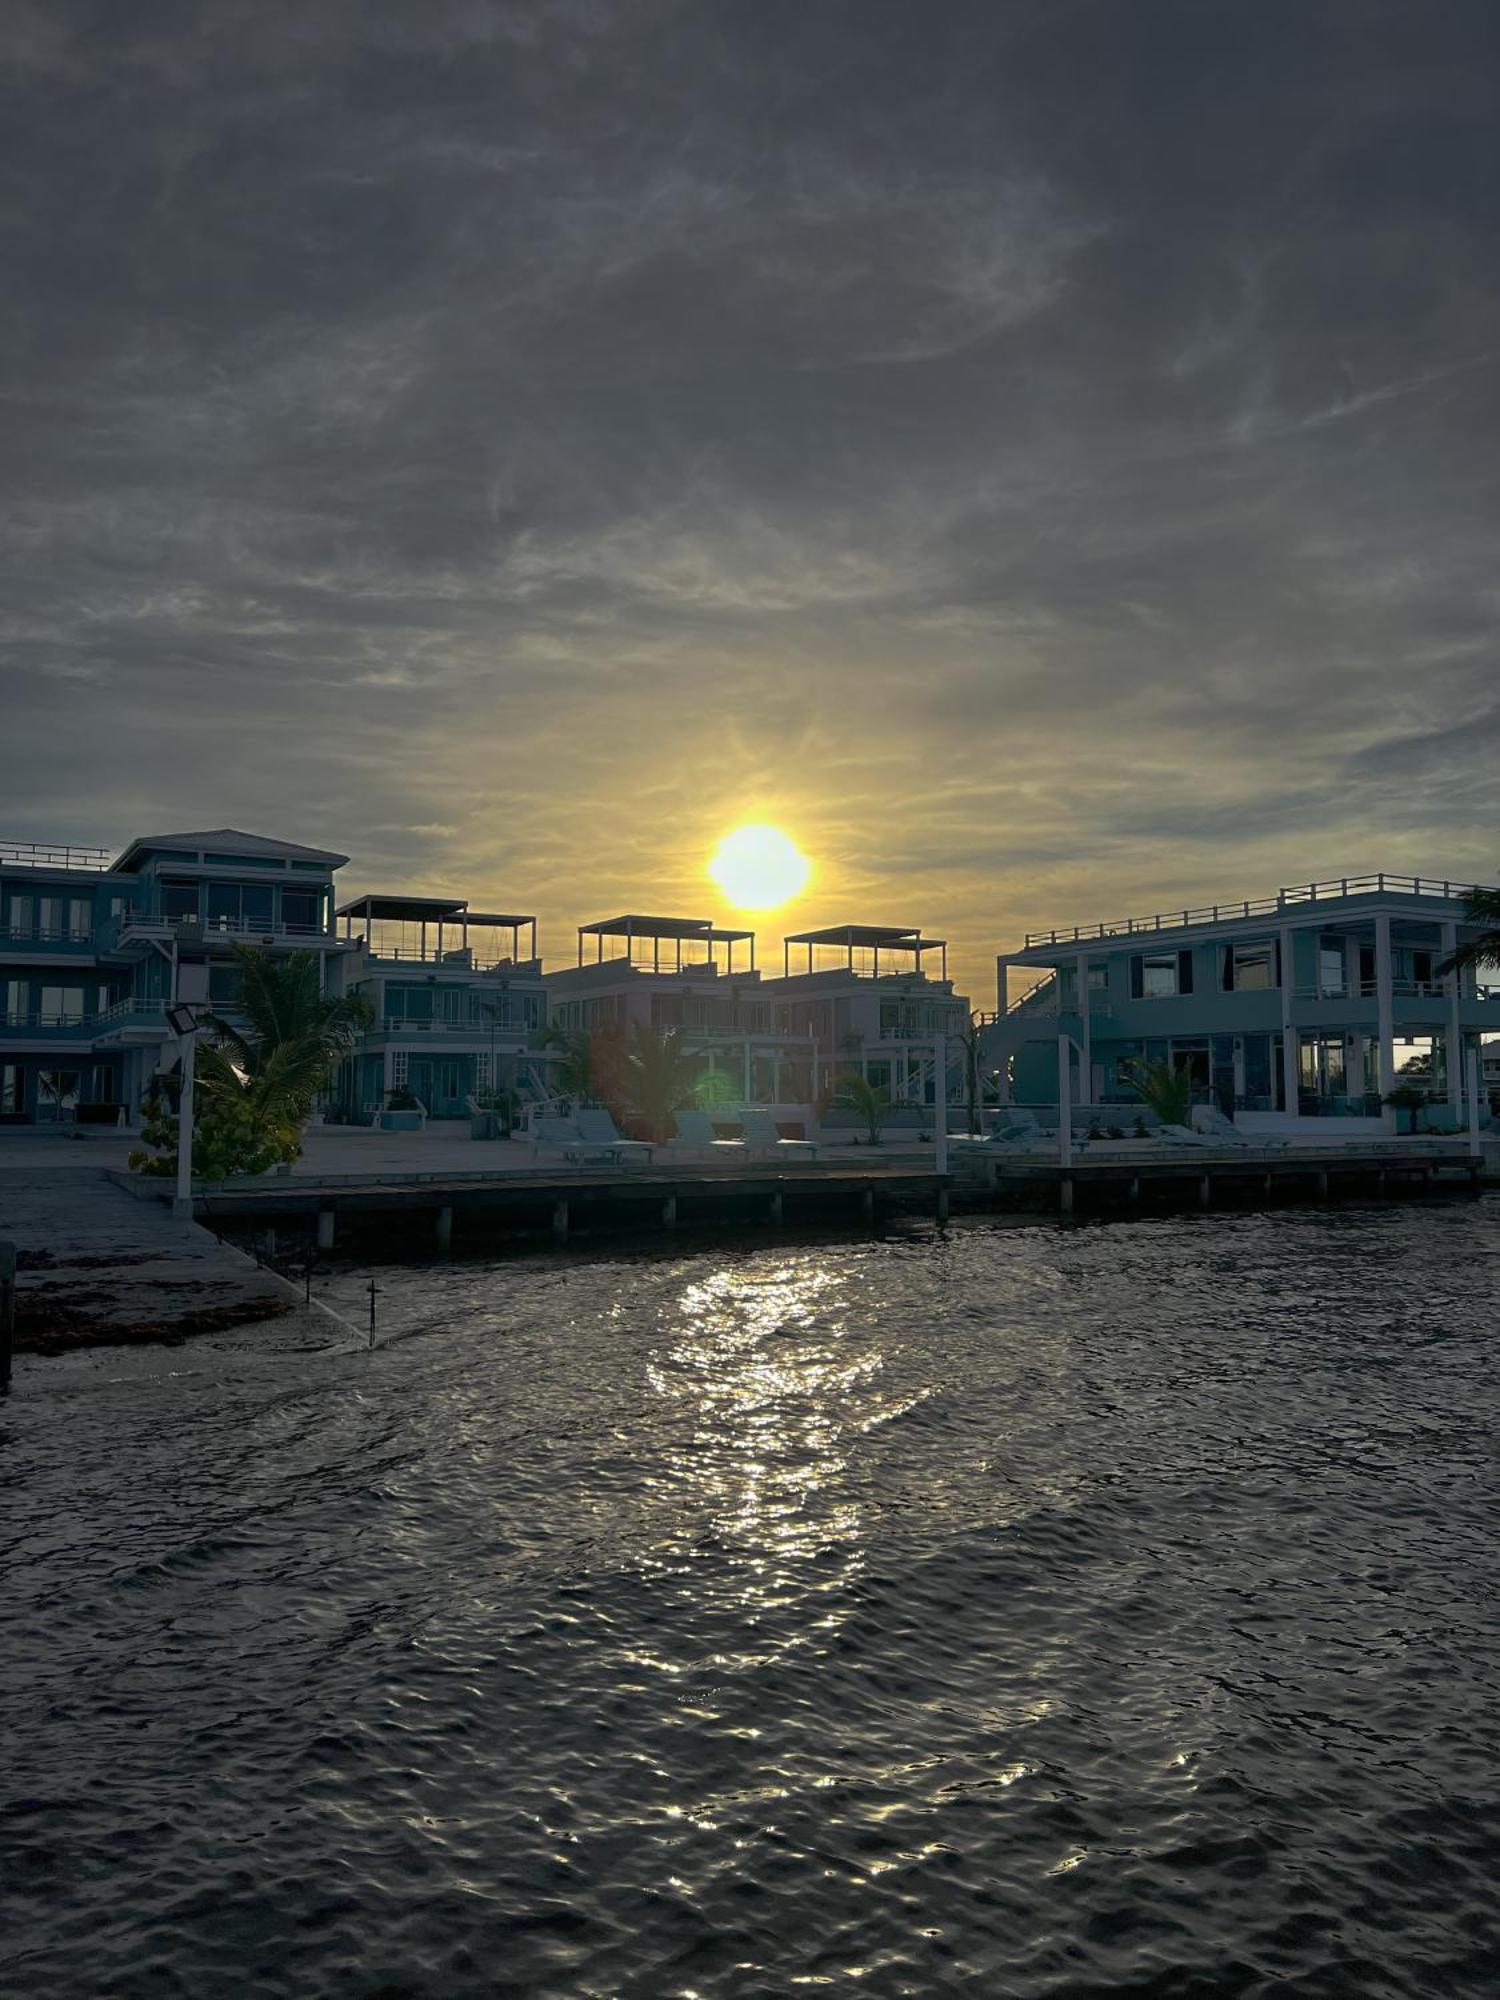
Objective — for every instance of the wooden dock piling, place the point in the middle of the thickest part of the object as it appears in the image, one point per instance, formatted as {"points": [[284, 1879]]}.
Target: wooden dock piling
{"points": [[7, 1310]]}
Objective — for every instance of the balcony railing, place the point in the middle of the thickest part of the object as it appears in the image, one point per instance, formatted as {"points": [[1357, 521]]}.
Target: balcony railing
{"points": [[43, 934], [53, 854], [23, 1019], [153, 923], [1335, 890], [476, 1024]]}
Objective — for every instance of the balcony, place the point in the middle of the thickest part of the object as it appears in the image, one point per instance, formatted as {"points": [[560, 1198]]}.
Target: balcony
{"points": [[146, 927], [1338, 890], [47, 1027]]}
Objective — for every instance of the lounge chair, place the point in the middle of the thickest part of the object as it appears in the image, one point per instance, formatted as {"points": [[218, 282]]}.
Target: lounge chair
{"points": [[577, 1146], [598, 1128], [695, 1134], [1016, 1130], [761, 1136]]}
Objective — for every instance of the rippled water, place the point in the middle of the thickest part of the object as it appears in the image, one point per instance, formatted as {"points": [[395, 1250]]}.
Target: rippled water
{"points": [[1111, 1610]]}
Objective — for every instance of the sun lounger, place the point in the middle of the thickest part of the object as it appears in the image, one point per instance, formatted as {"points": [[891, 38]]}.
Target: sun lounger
{"points": [[598, 1128], [761, 1136], [695, 1134], [577, 1146], [1210, 1122]]}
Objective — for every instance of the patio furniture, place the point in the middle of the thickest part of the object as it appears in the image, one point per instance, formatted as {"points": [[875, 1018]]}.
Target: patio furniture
{"points": [[761, 1136], [695, 1134]]}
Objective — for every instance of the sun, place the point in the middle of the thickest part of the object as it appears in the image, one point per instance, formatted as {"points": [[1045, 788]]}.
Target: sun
{"points": [[759, 868]]}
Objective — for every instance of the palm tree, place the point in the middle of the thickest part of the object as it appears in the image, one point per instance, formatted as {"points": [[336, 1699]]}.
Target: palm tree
{"points": [[589, 1067], [871, 1101], [1482, 907], [661, 1076], [1166, 1091], [286, 1038]]}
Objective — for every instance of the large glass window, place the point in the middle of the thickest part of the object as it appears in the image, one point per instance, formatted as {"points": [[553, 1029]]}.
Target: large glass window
{"points": [[22, 917], [1159, 977], [299, 909], [61, 1003], [179, 902], [52, 912], [1331, 974], [80, 917], [1254, 967], [12, 1090]]}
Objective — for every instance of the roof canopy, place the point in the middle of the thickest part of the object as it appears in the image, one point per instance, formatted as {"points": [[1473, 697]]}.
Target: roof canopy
{"points": [[865, 937], [662, 927], [425, 910]]}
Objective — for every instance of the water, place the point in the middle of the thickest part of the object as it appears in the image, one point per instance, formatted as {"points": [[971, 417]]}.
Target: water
{"points": [[1034, 1612]]}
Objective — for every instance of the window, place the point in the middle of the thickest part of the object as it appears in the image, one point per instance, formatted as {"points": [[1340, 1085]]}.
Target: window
{"points": [[61, 1003], [1098, 979], [80, 917], [223, 985], [1160, 976], [299, 909], [1331, 974], [22, 916], [1254, 967], [51, 911], [179, 902], [12, 1090]]}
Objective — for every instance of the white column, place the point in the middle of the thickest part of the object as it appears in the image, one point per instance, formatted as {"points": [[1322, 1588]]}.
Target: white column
{"points": [[940, 1102], [1086, 1054], [1455, 1024], [1002, 986], [1064, 1101], [1385, 1012], [1290, 1078]]}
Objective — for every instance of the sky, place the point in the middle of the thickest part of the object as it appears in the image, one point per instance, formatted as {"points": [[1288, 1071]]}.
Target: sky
{"points": [[1041, 453]]}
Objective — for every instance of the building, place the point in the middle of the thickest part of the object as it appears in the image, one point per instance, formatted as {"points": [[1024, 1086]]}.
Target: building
{"points": [[94, 949], [1302, 1004], [459, 1004], [777, 1042]]}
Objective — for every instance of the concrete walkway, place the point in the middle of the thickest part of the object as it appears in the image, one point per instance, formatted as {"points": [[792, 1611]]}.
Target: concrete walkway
{"points": [[97, 1267]]}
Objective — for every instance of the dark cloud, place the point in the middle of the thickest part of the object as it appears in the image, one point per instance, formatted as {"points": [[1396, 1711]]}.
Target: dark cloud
{"points": [[1044, 452]]}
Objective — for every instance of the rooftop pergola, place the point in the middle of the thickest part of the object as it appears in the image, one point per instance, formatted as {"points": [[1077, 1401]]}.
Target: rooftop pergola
{"points": [[874, 938], [657, 931], [442, 913]]}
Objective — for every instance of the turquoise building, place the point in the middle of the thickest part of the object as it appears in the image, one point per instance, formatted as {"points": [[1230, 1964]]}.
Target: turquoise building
{"points": [[1305, 1004], [93, 949]]}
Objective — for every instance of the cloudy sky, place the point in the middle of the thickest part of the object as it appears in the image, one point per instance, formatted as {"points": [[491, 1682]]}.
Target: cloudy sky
{"points": [[1041, 452]]}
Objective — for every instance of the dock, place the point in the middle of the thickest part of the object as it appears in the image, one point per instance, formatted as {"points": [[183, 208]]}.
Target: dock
{"points": [[556, 1200], [1207, 1175]]}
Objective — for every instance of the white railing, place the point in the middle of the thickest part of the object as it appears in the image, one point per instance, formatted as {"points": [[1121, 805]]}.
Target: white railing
{"points": [[123, 1010], [152, 921], [1335, 890], [53, 854], [476, 1026], [1366, 989]]}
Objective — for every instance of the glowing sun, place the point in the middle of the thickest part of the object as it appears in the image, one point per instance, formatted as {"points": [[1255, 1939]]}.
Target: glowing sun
{"points": [[759, 868]]}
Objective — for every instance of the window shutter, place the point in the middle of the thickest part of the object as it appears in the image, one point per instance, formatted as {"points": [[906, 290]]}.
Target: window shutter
{"points": [[1184, 972], [1137, 976]]}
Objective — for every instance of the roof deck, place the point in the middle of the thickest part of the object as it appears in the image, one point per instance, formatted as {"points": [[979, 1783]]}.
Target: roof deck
{"points": [[1338, 889], [863, 942], [388, 922], [643, 937], [53, 854]]}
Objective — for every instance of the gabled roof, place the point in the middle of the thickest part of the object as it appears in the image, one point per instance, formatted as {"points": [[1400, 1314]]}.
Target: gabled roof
{"points": [[228, 839]]}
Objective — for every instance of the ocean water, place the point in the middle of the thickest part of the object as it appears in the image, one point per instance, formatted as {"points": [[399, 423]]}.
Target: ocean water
{"points": [[1023, 1611]]}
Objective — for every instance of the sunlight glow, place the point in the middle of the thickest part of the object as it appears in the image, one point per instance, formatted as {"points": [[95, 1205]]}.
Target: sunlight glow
{"points": [[759, 868]]}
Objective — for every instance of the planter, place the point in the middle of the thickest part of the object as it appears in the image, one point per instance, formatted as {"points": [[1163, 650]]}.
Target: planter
{"points": [[400, 1121]]}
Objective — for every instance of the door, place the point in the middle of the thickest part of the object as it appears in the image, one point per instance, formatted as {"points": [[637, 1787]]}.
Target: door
{"points": [[57, 1093]]}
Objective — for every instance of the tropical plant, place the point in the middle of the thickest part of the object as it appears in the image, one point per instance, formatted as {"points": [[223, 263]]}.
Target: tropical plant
{"points": [[869, 1101], [1481, 907], [257, 1077], [661, 1076], [1166, 1091], [589, 1067]]}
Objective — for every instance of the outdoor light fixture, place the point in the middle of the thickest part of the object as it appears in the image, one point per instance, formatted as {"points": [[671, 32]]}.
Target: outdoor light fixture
{"points": [[182, 1020]]}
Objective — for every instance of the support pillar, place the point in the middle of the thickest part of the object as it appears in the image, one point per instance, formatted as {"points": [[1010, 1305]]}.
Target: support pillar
{"points": [[867, 1204], [942, 1204], [1385, 1012], [1472, 1080], [560, 1221], [1455, 1052], [1065, 1106], [669, 1212], [1323, 1181], [940, 1102], [1135, 1187], [1086, 1051], [1065, 1193], [774, 1210], [1205, 1190], [444, 1231], [326, 1228], [1290, 1076]]}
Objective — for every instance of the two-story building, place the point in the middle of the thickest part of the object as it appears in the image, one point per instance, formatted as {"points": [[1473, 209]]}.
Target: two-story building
{"points": [[1302, 1004], [94, 949]]}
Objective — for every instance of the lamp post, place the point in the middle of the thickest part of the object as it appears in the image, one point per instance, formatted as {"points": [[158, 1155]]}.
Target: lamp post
{"points": [[183, 1021]]}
